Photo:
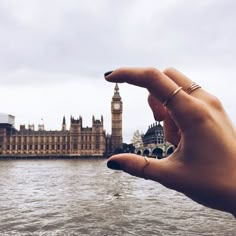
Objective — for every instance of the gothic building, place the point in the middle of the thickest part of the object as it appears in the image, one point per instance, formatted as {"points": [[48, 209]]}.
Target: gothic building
{"points": [[76, 141], [154, 143], [116, 111], [154, 135]]}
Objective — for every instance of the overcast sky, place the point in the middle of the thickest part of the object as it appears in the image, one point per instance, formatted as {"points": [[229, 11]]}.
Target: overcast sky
{"points": [[53, 55]]}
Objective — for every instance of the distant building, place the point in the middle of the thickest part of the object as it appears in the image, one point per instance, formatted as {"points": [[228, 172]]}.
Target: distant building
{"points": [[116, 120], [154, 135], [154, 143], [75, 141]]}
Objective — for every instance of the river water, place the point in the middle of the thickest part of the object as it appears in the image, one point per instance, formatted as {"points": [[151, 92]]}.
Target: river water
{"points": [[84, 197]]}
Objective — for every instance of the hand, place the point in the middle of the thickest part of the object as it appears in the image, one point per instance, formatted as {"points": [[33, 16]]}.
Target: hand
{"points": [[203, 166]]}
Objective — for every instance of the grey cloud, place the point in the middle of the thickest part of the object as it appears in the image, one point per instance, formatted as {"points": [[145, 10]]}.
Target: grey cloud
{"points": [[87, 39]]}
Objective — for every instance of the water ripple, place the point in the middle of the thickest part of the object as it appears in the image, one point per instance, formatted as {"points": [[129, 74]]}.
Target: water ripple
{"points": [[69, 197]]}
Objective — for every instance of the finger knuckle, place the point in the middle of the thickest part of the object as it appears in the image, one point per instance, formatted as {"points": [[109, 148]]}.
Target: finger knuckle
{"points": [[168, 70], [201, 113], [214, 102], [152, 72]]}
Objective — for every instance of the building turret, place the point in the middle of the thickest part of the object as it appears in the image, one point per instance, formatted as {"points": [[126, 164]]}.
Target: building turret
{"points": [[64, 124]]}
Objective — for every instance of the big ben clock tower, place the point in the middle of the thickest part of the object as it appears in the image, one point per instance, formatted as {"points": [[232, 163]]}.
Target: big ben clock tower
{"points": [[116, 122]]}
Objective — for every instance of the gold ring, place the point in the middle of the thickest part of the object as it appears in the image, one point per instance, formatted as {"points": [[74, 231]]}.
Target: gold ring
{"points": [[171, 96], [147, 162], [193, 86]]}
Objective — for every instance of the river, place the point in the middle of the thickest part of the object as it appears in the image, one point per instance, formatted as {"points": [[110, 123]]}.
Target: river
{"points": [[84, 197]]}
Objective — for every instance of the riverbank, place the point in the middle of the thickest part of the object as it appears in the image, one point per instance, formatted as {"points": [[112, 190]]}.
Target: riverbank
{"points": [[45, 157]]}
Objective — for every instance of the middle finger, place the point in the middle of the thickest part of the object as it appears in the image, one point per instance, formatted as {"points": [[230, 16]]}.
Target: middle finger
{"points": [[183, 81]]}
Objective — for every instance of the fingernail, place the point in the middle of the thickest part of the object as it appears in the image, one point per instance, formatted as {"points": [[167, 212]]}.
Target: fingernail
{"points": [[113, 165], [108, 73]]}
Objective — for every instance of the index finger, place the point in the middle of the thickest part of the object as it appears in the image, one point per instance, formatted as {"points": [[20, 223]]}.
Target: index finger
{"points": [[181, 106]]}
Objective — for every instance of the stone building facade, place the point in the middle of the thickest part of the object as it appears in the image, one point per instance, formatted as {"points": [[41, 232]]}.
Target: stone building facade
{"points": [[76, 141], [116, 121], [154, 143]]}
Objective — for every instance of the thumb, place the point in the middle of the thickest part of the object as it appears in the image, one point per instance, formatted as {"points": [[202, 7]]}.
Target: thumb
{"points": [[147, 168]]}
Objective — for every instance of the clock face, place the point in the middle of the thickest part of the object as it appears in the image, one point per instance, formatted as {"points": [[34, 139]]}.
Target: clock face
{"points": [[116, 106]]}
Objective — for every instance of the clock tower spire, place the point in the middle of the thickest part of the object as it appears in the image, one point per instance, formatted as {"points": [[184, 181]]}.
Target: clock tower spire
{"points": [[116, 120]]}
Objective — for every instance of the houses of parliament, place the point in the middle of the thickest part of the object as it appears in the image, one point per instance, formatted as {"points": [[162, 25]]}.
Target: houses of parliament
{"points": [[75, 141]]}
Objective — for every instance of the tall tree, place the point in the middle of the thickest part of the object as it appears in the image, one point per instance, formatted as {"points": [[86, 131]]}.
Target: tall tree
{"points": [[137, 139]]}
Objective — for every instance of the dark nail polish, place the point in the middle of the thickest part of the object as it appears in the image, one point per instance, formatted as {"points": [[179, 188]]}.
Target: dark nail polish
{"points": [[108, 73], [113, 165]]}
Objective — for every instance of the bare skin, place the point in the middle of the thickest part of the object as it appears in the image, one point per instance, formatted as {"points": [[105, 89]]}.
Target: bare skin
{"points": [[203, 166]]}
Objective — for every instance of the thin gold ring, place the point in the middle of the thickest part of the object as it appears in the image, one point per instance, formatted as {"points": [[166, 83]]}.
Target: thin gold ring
{"points": [[147, 162], [193, 86], [171, 96]]}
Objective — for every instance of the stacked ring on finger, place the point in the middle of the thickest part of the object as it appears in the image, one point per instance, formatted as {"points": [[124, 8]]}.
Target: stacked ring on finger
{"points": [[193, 86], [171, 96]]}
